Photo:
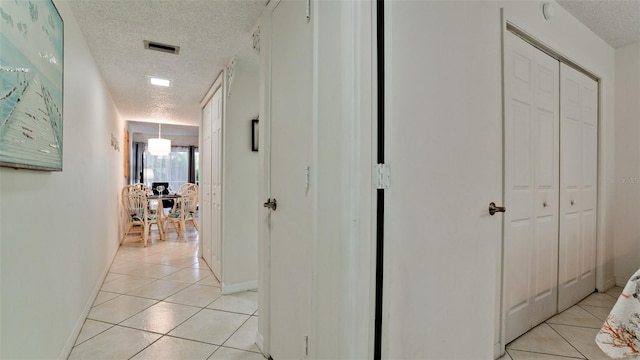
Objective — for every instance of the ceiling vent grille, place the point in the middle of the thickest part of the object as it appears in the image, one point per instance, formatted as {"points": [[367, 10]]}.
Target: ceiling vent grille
{"points": [[171, 49]]}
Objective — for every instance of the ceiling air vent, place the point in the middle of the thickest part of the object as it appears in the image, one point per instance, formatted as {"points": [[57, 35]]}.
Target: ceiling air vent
{"points": [[161, 47]]}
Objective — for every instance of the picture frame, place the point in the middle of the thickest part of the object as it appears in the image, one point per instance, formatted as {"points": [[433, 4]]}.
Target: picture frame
{"points": [[254, 135], [31, 85]]}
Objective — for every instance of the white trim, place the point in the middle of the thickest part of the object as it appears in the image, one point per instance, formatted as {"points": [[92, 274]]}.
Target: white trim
{"points": [[260, 343], [238, 287], [212, 90], [500, 294], [609, 284], [73, 337], [264, 180], [362, 252], [496, 350]]}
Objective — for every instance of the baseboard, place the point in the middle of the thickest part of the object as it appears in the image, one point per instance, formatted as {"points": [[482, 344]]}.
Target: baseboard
{"points": [[71, 340], [610, 284], [260, 342], [234, 288], [496, 351], [622, 282]]}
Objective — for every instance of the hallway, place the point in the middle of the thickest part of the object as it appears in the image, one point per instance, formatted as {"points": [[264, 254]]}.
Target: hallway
{"points": [[163, 302]]}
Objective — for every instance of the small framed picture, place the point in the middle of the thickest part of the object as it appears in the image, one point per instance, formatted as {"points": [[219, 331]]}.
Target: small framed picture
{"points": [[254, 135]]}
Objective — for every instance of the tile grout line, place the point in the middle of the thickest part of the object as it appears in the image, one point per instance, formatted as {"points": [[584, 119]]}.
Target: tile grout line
{"points": [[89, 338], [568, 342], [541, 353], [230, 336], [181, 323], [146, 347], [142, 266]]}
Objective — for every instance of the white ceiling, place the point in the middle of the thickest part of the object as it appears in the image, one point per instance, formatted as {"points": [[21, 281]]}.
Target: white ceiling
{"points": [[616, 21], [210, 32]]}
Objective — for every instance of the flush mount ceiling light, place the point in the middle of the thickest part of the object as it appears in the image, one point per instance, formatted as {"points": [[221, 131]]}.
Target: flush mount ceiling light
{"points": [[159, 82], [159, 146]]}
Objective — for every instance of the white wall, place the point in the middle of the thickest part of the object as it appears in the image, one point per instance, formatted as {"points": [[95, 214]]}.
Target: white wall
{"points": [[433, 316], [240, 180], [627, 175], [59, 230], [443, 145]]}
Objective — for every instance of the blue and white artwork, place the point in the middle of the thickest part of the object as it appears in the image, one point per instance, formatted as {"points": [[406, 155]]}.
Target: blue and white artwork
{"points": [[31, 81]]}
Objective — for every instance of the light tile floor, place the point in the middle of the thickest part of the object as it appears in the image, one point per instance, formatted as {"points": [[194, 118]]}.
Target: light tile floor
{"points": [[568, 335], [163, 302]]}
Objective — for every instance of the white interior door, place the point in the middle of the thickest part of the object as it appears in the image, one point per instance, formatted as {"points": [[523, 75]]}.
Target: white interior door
{"points": [[578, 179], [205, 184], [531, 180], [216, 183], [291, 144]]}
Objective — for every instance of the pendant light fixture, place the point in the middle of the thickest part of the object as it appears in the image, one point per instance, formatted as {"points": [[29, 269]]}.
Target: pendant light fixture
{"points": [[159, 146]]}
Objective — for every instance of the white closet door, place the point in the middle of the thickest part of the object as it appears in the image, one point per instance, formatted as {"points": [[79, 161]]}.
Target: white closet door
{"points": [[205, 184], [290, 153], [216, 183], [531, 155], [578, 182]]}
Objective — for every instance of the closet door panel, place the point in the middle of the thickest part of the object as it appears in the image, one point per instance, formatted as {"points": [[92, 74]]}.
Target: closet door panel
{"points": [[578, 186], [531, 186], [589, 244], [205, 185]]}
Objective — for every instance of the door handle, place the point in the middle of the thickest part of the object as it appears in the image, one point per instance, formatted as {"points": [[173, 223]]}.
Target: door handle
{"points": [[271, 204], [494, 209]]}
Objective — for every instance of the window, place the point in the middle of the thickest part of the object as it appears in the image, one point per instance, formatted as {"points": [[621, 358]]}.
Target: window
{"points": [[176, 168], [197, 166]]}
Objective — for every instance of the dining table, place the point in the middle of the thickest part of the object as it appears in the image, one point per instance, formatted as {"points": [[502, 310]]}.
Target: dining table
{"points": [[619, 336], [159, 209]]}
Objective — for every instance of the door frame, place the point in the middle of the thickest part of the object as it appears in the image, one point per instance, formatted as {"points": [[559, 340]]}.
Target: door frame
{"points": [[511, 24], [263, 338], [358, 252]]}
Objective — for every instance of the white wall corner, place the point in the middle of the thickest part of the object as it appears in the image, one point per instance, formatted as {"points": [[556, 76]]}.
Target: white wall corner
{"points": [[497, 351]]}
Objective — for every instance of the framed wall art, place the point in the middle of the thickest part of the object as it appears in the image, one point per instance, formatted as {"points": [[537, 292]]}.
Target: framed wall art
{"points": [[31, 85]]}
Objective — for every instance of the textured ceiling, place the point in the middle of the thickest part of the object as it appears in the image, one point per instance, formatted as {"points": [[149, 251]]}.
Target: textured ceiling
{"points": [[209, 33], [616, 21]]}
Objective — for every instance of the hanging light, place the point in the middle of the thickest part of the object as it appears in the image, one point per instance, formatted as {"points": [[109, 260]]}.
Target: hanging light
{"points": [[159, 146]]}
